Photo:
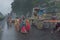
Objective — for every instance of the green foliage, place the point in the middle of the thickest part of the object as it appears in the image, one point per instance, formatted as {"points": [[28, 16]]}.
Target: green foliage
{"points": [[35, 2], [1, 18], [22, 6], [58, 4]]}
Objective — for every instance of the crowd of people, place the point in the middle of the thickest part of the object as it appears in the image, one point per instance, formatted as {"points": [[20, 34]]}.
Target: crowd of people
{"points": [[21, 24]]}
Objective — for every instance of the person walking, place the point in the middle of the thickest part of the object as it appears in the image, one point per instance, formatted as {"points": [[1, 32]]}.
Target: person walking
{"points": [[57, 28], [23, 25], [9, 21], [17, 24], [27, 25]]}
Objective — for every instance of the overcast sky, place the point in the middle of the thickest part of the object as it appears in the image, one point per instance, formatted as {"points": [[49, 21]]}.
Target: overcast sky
{"points": [[5, 6]]}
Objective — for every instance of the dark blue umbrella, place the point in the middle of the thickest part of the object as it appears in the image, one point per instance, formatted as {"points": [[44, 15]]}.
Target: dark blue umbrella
{"points": [[40, 12]]}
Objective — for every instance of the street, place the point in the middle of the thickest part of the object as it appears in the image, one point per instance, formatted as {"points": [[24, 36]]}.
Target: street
{"points": [[34, 34], [29, 20]]}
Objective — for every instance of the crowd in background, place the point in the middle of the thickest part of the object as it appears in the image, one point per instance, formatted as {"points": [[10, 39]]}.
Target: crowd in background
{"points": [[21, 24]]}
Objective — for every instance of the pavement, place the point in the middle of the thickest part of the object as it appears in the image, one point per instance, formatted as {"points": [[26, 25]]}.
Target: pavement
{"points": [[34, 34]]}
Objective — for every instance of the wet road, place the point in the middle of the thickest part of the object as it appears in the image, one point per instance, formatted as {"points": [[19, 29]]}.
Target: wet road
{"points": [[35, 34]]}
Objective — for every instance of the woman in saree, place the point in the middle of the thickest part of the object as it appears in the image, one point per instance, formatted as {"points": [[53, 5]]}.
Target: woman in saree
{"points": [[27, 25]]}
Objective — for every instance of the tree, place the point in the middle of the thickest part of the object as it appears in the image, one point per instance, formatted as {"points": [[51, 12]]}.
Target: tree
{"points": [[22, 6]]}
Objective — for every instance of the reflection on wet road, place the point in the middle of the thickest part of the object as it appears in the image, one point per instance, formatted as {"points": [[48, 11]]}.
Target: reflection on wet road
{"points": [[11, 34], [8, 34]]}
